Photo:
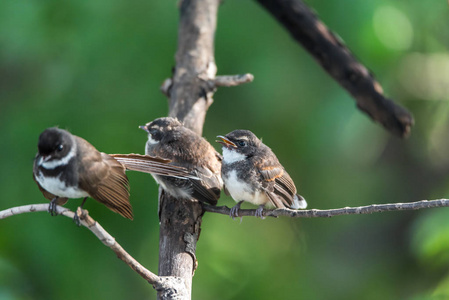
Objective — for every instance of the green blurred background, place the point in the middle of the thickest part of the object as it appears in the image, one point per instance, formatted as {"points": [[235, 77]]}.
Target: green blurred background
{"points": [[95, 67]]}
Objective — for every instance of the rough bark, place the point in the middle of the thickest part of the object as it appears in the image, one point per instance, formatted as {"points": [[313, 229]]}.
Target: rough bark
{"points": [[190, 97]]}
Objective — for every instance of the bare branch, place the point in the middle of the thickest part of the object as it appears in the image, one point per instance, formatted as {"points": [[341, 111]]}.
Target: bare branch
{"points": [[166, 86], [338, 61], [318, 213], [230, 80], [107, 239], [189, 100]]}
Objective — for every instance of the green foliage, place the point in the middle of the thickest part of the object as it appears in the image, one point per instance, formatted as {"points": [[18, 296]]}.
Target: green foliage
{"points": [[95, 68]]}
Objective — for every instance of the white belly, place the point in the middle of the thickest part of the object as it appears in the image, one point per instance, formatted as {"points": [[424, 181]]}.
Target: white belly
{"points": [[241, 191], [57, 187]]}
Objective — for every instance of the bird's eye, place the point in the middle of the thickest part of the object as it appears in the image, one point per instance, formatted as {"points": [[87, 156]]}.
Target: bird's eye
{"points": [[153, 131], [60, 148], [241, 143]]}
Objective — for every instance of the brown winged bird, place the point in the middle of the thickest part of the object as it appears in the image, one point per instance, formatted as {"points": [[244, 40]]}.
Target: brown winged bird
{"points": [[67, 166], [168, 138], [251, 172]]}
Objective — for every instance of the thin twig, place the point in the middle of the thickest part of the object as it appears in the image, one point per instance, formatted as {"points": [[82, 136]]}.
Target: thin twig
{"points": [[107, 239], [166, 86], [230, 80], [327, 213]]}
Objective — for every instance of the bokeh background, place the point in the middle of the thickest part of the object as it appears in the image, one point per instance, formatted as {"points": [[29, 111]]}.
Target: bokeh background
{"points": [[95, 67]]}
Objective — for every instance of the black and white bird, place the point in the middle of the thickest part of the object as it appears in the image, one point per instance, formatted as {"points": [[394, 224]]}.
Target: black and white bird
{"points": [[251, 172], [67, 166], [168, 138]]}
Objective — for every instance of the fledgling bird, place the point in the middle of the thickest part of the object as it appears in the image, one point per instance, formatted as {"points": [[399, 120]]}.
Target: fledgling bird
{"points": [[169, 138], [67, 166], [251, 172]]}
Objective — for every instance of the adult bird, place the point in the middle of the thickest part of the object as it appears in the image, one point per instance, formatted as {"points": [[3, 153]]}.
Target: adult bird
{"points": [[67, 166]]}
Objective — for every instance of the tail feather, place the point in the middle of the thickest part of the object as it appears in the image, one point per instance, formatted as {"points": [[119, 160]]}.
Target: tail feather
{"points": [[152, 165], [299, 202]]}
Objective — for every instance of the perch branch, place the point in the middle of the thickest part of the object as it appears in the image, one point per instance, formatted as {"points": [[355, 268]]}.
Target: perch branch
{"points": [[327, 213], [337, 60], [159, 283]]}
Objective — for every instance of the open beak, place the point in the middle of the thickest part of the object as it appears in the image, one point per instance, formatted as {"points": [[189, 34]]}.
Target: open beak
{"points": [[226, 142], [143, 127], [46, 158]]}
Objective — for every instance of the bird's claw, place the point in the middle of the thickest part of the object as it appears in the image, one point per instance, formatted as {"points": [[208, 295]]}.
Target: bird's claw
{"points": [[52, 207], [234, 213], [259, 213], [76, 219], [80, 214]]}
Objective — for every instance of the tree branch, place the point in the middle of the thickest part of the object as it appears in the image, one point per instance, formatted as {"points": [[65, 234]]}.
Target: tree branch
{"points": [[230, 80], [338, 61], [165, 285], [189, 99], [328, 213]]}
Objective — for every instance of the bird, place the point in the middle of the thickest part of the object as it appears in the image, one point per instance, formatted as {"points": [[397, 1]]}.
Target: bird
{"points": [[251, 172], [168, 138], [67, 166]]}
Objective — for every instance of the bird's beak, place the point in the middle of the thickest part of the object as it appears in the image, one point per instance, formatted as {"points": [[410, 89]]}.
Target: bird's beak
{"points": [[143, 127], [46, 158], [226, 142]]}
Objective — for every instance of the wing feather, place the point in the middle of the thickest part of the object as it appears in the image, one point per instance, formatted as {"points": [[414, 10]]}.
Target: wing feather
{"points": [[278, 185], [106, 182], [206, 189]]}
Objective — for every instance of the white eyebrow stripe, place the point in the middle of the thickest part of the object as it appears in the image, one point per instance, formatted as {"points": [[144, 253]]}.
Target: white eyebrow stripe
{"points": [[49, 165], [243, 138]]}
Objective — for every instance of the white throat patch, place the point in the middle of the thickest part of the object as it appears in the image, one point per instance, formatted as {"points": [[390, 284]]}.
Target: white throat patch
{"points": [[231, 156], [151, 141], [58, 162]]}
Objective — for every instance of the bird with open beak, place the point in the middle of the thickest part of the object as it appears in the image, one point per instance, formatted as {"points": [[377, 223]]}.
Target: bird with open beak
{"points": [[251, 172]]}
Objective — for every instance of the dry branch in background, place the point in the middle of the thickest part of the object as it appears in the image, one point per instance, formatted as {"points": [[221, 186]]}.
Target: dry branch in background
{"points": [[328, 213], [337, 60]]}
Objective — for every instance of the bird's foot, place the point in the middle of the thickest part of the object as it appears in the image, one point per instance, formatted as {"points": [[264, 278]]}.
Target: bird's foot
{"points": [[80, 214], [235, 210], [259, 212], [52, 207]]}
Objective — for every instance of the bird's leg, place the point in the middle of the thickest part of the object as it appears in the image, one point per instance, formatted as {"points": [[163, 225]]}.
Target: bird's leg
{"points": [[52, 206], [76, 217], [259, 212], [235, 210]]}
